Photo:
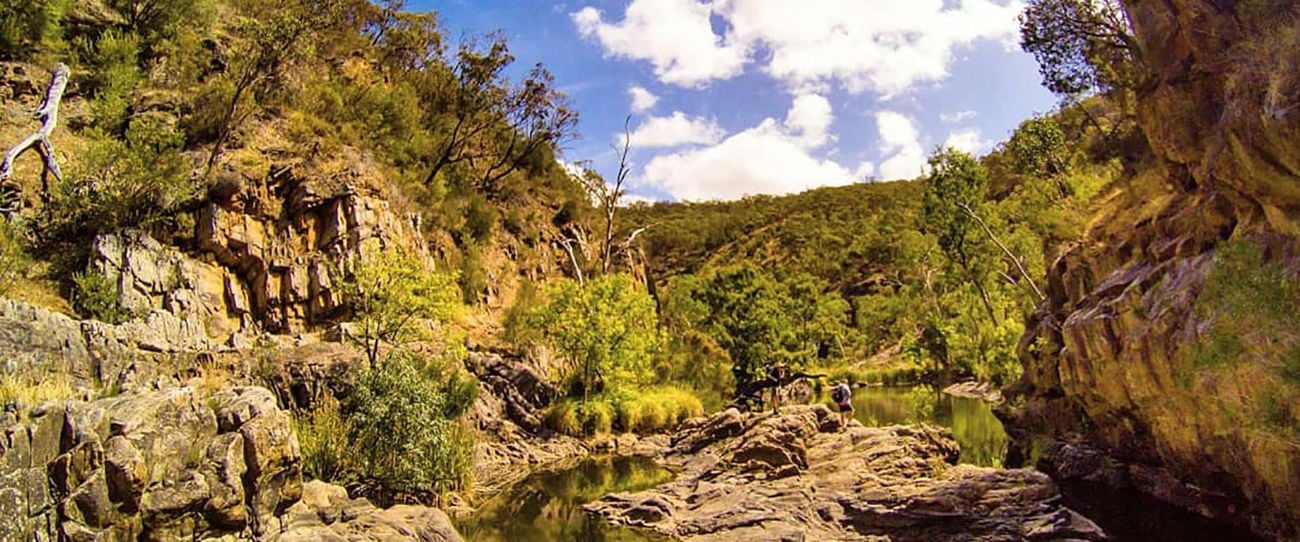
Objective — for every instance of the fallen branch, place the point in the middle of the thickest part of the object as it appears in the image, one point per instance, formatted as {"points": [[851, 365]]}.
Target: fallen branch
{"points": [[48, 113]]}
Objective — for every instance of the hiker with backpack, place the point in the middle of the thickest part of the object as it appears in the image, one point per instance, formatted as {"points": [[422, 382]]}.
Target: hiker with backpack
{"points": [[842, 395]]}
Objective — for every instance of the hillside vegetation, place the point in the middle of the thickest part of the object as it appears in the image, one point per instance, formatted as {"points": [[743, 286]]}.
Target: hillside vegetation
{"points": [[895, 268]]}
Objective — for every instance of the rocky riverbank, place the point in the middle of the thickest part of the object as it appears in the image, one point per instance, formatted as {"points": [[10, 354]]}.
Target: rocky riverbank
{"points": [[801, 474]]}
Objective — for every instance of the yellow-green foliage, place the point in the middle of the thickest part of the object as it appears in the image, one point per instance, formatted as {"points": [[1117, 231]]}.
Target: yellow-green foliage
{"points": [[327, 452], [644, 411], [31, 391], [607, 328], [393, 295], [894, 374], [562, 417]]}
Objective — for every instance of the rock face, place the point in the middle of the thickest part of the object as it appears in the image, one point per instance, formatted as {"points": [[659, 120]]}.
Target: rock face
{"points": [[523, 390], [1109, 390], [264, 247], [40, 341], [513, 394], [801, 475], [276, 237], [163, 465], [172, 465]]}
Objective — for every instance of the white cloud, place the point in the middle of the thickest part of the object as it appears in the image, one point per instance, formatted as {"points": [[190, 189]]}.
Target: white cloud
{"points": [[675, 36], [811, 116], [900, 140], [968, 141], [883, 46], [771, 158], [642, 99], [675, 130], [958, 117]]}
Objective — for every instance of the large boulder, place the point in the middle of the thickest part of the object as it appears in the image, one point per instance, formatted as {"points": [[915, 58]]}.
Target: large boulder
{"points": [[801, 474], [326, 514]]}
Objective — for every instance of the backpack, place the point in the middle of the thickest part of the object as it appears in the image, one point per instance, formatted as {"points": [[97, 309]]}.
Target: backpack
{"points": [[840, 394]]}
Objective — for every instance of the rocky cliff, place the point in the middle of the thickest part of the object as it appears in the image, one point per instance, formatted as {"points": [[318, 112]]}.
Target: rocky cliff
{"points": [[1113, 389]]}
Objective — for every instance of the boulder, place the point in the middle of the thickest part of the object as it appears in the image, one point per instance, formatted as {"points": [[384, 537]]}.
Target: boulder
{"points": [[800, 474], [326, 514]]}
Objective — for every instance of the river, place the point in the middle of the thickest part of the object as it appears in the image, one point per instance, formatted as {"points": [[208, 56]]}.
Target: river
{"points": [[547, 506]]}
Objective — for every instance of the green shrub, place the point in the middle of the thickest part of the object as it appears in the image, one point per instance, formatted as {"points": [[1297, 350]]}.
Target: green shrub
{"points": [[115, 77], [597, 418], [139, 182], [562, 417], [406, 443], [480, 219], [459, 389], [473, 277], [327, 454], [642, 411], [95, 296], [29, 27]]}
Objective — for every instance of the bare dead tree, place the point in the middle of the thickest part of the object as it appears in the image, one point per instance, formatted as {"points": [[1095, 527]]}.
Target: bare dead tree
{"points": [[48, 114], [1020, 266], [609, 197]]}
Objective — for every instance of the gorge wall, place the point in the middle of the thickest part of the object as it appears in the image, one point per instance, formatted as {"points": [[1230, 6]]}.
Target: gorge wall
{"points": [[1111, 391]]}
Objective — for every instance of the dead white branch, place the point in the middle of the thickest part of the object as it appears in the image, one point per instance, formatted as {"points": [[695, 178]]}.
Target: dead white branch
{"points": [[1020, 266], [48, 113]]}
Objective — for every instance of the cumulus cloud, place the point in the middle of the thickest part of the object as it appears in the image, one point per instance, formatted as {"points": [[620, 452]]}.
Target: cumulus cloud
{"points": [[675, 36], [901, 141], [675, 130], [883, 46], [811, 117], [642, 99], [771, 158], [968, 140]]}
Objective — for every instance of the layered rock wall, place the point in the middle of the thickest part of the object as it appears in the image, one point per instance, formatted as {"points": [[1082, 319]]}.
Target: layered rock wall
{"points": [[1110, 392]]}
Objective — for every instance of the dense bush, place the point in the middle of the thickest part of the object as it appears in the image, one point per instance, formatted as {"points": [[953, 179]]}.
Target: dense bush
{"points": [[94, 295], [607, 328], [403, 437], [324, 439], [139, 182]]}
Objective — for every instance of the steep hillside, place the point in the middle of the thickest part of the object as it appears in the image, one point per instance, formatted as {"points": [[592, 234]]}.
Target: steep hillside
{"points": [[1165, 356]]}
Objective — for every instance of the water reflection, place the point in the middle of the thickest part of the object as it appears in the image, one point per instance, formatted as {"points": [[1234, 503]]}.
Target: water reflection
{"points": [[981, 436], [548, 506]]}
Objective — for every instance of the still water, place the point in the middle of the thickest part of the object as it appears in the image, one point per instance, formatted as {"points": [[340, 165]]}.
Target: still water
{"points": [[980, 434], [547, 506]]}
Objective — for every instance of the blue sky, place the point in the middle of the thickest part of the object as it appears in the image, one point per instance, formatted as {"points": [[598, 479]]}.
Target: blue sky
{"points": [[770, 96]]}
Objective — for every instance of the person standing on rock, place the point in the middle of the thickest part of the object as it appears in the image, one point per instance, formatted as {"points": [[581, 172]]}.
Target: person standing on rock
{"points": [[843, 398]]}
